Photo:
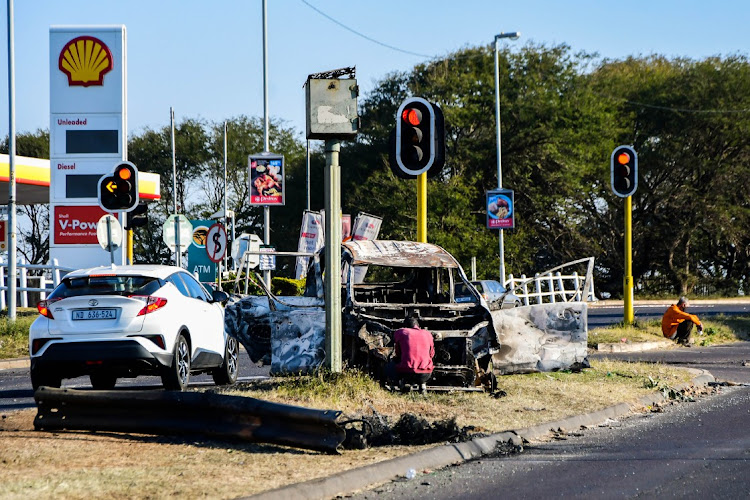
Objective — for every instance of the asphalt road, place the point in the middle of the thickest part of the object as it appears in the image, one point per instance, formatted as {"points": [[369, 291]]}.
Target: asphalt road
{"points": [[16, 392], [608, 314], [693, 450]]}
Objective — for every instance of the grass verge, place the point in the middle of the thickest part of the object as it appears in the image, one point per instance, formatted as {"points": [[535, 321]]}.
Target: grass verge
{"points": [[119, 465], [14, 335], [716, 330]]}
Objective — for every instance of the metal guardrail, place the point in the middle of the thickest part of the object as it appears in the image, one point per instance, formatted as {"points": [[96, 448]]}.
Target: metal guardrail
{"points": [[554, 285], [47, 281], [191, 413]]}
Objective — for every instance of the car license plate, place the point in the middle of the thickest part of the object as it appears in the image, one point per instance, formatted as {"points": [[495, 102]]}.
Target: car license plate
{"points": [[95, 314]]}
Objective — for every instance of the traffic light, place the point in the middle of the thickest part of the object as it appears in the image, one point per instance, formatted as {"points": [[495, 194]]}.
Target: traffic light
{"points": [[418, 144], [624, 165], [119, 192], [137, 217]]}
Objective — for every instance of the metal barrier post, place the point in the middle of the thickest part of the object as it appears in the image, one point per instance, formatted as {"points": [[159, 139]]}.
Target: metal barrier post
{"points": [[24, 285]]}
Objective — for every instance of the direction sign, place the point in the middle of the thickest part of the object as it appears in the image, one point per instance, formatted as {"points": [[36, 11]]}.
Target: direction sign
{"points": [[267, 262], [216, 242], [246, 242], [186, 231], [114, 232]]}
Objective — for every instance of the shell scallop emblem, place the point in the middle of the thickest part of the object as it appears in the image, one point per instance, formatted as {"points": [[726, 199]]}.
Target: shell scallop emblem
{"points": [[85, 60]]}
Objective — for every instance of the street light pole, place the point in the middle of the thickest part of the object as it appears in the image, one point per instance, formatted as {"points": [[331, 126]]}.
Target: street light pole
{"points": [[513, 35]]}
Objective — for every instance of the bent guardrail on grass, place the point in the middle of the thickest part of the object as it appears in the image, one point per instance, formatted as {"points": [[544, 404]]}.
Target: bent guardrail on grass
{"points": [[208, 414]]}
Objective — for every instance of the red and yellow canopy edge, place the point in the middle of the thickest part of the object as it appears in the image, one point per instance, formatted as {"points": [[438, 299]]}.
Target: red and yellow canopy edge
{"points": [[35, 172]]}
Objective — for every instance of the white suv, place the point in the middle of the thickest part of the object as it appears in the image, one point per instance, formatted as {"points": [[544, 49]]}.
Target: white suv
{"points": [[125, 321]]}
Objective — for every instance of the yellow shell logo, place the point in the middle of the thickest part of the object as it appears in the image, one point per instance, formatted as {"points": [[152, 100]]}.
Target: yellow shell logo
{"points": [[85, 60]]}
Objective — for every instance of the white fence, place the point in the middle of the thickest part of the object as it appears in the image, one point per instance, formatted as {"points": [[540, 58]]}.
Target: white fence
{"points": [[560, 284], [46, 281]]}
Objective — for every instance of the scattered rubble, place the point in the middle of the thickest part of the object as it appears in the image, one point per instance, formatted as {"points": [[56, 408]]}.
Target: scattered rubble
{"points": [[409, 430]]}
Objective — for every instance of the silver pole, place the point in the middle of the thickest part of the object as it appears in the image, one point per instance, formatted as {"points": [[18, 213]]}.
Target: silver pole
{"points": [[12, 167], [177, 256], [501, 243], [174, 163], [333, 255], [226, 217], [109, 242], [266, 209], [308, 175]]}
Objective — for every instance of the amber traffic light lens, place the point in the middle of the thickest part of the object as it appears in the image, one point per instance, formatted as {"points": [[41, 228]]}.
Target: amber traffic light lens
{"points": [[412, 116], [623, 158], [124, 174]]}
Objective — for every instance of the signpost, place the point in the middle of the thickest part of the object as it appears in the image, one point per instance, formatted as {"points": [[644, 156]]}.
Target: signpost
{"points": [[177, 233], [109, 234], [216, 242]]}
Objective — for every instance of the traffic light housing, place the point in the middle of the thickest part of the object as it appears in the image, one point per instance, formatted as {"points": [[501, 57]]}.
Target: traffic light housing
{"points": [[418, 143], [137, 217], [118, 192], [624, 171]]}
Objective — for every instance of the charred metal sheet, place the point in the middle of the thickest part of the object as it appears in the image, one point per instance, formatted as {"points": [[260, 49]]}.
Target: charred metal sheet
{"points": [[191, 413], [297, 341], [398, 254], [544, 337]]}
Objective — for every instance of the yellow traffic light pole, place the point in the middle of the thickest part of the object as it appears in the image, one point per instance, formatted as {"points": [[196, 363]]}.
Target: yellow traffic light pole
{"points": [[628, 280], [422, 208]]}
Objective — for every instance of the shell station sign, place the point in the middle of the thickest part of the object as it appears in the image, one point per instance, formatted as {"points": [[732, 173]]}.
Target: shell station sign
{"points": [[88, 134]]}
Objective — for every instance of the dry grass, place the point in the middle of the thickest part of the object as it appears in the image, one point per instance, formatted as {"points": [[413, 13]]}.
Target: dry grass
{"points": [[115, 465], [717, 330]]}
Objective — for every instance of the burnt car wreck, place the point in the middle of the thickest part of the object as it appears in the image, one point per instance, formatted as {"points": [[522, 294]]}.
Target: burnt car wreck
{"points": [[383, 282]]}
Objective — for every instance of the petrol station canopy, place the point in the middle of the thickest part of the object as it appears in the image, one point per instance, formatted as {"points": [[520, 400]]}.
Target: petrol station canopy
{"points": [[33, 180]]}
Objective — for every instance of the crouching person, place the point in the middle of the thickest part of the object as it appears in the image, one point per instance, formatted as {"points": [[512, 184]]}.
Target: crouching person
{"points": [[412, 356], [676, 324]]}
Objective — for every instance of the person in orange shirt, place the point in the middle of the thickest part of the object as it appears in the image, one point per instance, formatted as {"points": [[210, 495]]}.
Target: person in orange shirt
{"points": [[676, 324]]}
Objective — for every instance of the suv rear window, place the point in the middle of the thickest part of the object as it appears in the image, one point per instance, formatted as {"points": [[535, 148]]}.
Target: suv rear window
{"points": [[106, 285]]}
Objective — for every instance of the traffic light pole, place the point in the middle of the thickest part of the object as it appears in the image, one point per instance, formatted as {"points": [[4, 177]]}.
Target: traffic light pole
{"points": [[422, 208], [628, 281], [333, 255]]}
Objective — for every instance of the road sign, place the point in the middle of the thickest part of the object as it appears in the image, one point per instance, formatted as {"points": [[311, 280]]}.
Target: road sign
{"points": [[216, 242], [244, 243], [104, 234], [186, 232], [267, 262]]}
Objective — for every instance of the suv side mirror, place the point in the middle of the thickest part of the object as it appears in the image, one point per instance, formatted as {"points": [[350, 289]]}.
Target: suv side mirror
{"points": [[219, 296]]}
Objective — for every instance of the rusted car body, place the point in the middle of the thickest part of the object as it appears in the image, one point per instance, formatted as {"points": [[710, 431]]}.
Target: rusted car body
{"points": [[383, 282]]}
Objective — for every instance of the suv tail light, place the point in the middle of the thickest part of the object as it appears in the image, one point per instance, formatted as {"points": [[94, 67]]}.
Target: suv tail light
{"points": [[43, 307], [152, 303]]}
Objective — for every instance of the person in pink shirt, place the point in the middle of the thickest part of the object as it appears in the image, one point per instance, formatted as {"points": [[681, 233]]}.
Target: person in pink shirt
{"points": [[412, 354]]}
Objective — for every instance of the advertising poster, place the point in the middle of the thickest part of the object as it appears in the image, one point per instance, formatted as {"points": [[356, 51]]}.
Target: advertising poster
{"points": [[76, 225], [366, 227], [311, 239], [500, 209], [198, 262], [266, 177]]}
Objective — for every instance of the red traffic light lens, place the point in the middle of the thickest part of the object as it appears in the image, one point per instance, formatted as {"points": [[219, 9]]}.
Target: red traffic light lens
{"points": [[623, 158], [412, 116], [124, 174]]}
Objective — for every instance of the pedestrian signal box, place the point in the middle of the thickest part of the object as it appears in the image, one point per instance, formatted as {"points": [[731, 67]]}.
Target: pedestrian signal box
{"points": [[624, 171]]}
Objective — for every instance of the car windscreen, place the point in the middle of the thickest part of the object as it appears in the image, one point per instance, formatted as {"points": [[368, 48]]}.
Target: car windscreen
{"points": [[106, 285]]}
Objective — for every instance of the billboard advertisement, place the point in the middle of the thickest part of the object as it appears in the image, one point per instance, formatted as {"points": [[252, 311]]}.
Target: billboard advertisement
{"points": [[500, 209], [76, 224], [266, 177]]}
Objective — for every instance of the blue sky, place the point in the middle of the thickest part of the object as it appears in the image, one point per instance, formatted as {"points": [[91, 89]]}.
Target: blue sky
{"points": [[204, 58]]}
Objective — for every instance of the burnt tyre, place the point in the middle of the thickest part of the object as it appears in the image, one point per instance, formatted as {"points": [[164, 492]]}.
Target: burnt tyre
{"points": [[40, 377], [227, 373], [102, 381], [177, 376]]}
